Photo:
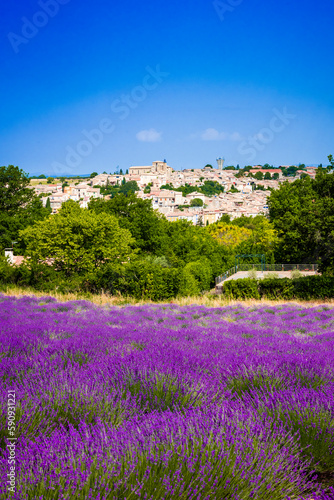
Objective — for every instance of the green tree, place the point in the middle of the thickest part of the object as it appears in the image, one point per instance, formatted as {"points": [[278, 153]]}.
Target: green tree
{"points": [[210, 188], [303, 214], [167, 186], [267, 176], [48, 205], [186, 189], [196, 202], [78, 240], [263, 240], [93, 174], [229, 235], [146, 225], [128, 187], [258, 176], [276, 176], [19, 206], [50, 180], [14, 191], [189, 243], [200, 221]]}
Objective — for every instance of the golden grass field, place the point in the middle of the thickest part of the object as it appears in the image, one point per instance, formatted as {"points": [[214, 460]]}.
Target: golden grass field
{"points": [[208, 299]]}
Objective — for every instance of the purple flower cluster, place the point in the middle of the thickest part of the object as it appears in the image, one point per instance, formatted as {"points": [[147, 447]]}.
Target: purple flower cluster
{"points": [[167, 402]]}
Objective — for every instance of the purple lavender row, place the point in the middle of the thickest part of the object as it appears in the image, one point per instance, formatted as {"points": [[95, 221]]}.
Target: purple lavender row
{"points": [[168, 401]]}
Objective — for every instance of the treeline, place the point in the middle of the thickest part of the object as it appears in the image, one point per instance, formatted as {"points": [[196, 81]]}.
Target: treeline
{"points": [[124, 245]]}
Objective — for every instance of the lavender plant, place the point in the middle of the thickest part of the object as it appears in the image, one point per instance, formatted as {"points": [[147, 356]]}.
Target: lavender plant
{"points": [[167, 402]]}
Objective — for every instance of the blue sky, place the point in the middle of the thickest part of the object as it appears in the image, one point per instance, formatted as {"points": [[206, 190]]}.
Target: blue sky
{"points": [[89, 86]]}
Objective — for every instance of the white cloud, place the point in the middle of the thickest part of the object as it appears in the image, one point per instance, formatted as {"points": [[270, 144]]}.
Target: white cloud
{"points": [[150, 135], [211, 134]]}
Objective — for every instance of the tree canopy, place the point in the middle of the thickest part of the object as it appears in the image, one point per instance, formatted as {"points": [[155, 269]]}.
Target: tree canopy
{"points": [[78, 240], [138, 216], [19, 206], [303, 214], [14, 192]]}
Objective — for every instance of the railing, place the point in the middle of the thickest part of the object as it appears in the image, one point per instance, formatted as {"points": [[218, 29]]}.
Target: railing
{"points": [[265, 267], [224, 276]]}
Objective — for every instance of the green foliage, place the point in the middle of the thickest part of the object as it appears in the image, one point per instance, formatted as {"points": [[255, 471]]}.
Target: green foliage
{"points": [[128, 187], [295, 273], [188, 243], [258, 176], [196, 202], [228, 234], [186, 189], [14, 193], [12, 223], [245, 288], [272, 276], [78, 240], [201, 271], [246, 235], [302, 212], [188, 284], [210, 188], [252, 274], [48, 205], [279, 288], [93, 174], [147, 226], [290, 171], [304, 288], [140, 279]]}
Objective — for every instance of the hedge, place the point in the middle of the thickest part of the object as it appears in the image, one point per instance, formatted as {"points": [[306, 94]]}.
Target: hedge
{"points": [[304, 288]]}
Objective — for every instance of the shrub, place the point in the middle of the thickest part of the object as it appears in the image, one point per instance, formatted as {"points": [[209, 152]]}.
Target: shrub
{"points": [[252, 274], [295, 273], [271, 276], [202, 272], [246, 288], [304, 288], [276, 288], [188, 284]]}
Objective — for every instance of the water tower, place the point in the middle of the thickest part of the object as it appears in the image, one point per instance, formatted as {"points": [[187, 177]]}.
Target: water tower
{"points": [[220, 162]]}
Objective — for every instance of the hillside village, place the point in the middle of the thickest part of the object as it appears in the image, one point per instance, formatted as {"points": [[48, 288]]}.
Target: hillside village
{"points": [[242, 195]]}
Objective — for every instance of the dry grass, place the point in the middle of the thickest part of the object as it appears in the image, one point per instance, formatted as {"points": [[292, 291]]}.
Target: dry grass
{"points": [[35, 182], [208, 299]]}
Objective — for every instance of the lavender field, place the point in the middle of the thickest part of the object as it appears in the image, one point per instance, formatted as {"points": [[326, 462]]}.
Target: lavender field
{"points": [[167, 402]]}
